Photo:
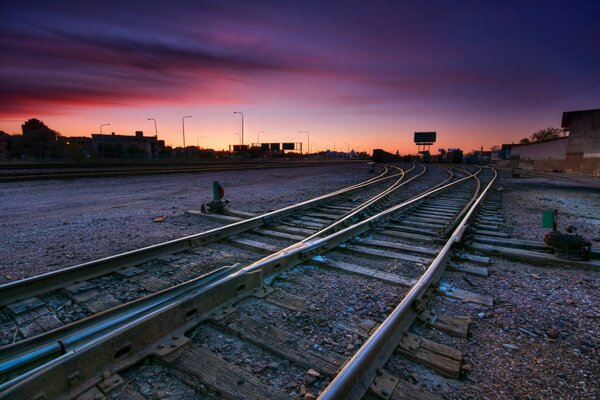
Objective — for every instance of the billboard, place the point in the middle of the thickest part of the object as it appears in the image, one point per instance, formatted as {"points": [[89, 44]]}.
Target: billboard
{"points": [[288, 146], [425, 137], [240, 147], [264, 146], [274, 146]]}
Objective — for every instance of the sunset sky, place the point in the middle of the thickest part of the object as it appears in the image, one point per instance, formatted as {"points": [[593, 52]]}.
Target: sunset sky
{"points": [[366, 73]]}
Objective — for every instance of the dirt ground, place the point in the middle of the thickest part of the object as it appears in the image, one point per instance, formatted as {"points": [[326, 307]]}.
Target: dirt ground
{"points": [[48, 225], [578, 204], [541, 339]]}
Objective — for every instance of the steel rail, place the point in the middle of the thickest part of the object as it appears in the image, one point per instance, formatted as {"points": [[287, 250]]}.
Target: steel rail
{"points": [[17, 290], [355, 378], [303, 251], [31, 352], [153, 170], [252, 275], [346, 218], [28, 355]]}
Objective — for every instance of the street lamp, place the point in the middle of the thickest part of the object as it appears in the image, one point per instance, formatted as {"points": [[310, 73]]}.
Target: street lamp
{"points": [[258, 136], [183, 127], [102, 126], [333, 143], [198, 139], [155, 127], [242, 114], [347, 147], [307, 140]]}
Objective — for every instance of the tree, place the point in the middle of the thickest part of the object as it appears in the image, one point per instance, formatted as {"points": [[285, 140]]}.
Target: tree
{"points": [[546, 134], [495, 147], [524, 141]]}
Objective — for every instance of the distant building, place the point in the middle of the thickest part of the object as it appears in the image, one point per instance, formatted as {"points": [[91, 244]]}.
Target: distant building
{"points": [[80, 146], [4, 145], [124, 146], [577, 153], [554, 149], [584, 136]]}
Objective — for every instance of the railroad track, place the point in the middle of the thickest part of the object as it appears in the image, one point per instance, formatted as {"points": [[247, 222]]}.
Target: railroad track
{"points": [[75, 291], [255, 331], [81, 293], [48, 172]]}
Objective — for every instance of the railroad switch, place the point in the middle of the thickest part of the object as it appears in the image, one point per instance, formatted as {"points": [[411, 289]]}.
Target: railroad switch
{"points": [[217, 205], [569, 246]]}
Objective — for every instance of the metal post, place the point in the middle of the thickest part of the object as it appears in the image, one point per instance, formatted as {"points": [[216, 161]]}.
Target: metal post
{"points": [[242, 114], [308, 140], [333, 143], [555, 223], [216, 191], [183, 128]]}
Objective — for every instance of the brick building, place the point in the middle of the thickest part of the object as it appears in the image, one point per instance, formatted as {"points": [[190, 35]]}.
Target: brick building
{"points": [[577, 153]]}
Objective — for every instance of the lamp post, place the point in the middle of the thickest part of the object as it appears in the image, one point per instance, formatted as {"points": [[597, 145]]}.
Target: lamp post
{"points": [[347, 147], [183, 128], [102, 126], [307, 140], [155, 127], [258, 136], [242, 114], [333, 143]]}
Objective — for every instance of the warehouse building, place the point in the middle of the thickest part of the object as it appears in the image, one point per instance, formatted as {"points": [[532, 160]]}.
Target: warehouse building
{"points": [[578, 153]]}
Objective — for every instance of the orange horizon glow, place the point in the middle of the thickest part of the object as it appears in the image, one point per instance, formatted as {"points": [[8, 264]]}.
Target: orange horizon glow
{"points": [[367, 82], [365, 135]]}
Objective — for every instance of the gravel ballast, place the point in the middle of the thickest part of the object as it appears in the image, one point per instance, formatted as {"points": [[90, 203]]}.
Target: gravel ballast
{"points": [[541, 338], [50, 225]]}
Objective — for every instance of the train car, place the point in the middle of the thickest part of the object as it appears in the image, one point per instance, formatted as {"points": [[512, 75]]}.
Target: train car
{"points": [[380, 156]]}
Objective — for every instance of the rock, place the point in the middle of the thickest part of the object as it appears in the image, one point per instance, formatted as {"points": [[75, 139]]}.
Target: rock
{"points": [[313, 373], [509, 346], [481, 315], [309, 396], [553, 333]]}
